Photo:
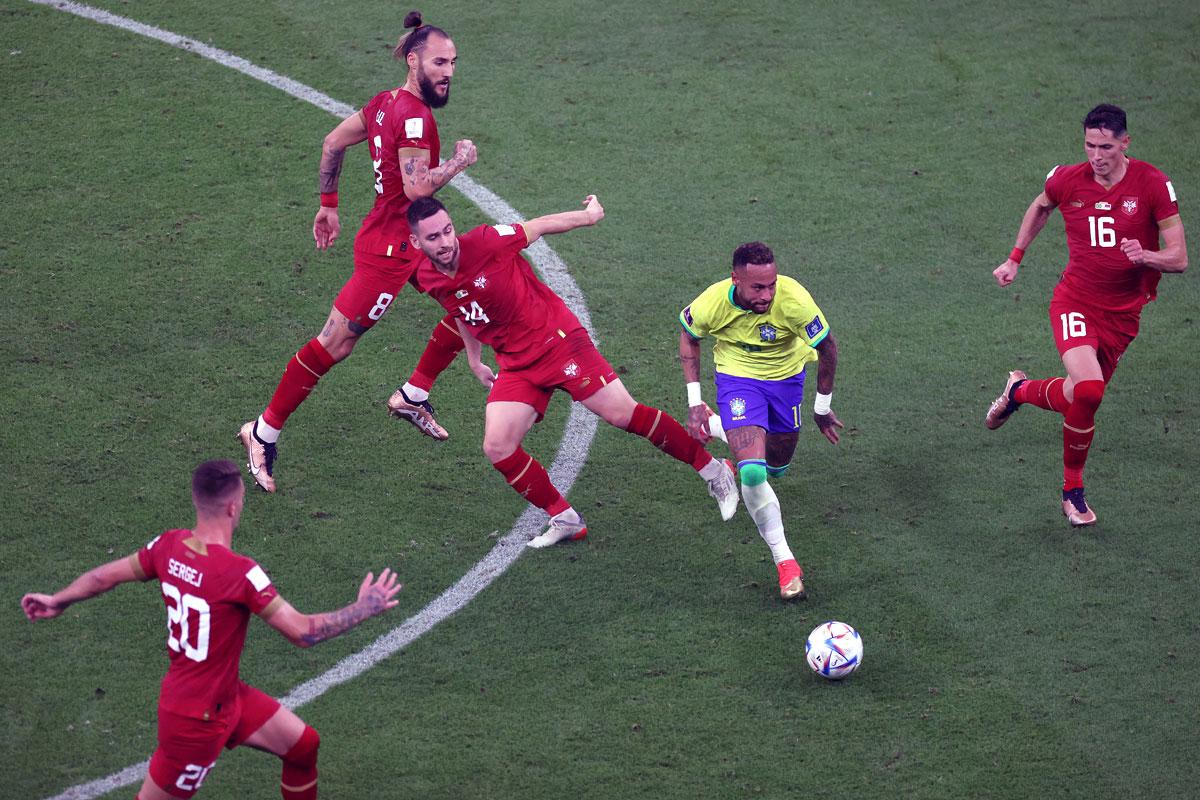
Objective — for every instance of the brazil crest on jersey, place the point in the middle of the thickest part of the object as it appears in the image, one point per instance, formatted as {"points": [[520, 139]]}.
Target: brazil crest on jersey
{"points": [[770, 346]]}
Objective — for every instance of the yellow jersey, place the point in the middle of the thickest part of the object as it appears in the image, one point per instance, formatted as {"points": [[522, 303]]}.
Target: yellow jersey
{"points": [[770, 346]]}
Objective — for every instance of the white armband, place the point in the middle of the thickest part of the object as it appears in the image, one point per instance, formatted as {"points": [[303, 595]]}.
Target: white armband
{"points": [[693, 394], [822, 403]]}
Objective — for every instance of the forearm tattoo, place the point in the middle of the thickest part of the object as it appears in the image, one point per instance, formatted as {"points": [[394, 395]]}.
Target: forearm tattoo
{"points": [[330, 170], [335, 623]]}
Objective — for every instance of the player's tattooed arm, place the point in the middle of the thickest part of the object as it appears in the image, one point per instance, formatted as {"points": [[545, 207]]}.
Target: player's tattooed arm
{"points": [[349, 132], [421, 179], [689, 359], [374, 597]]}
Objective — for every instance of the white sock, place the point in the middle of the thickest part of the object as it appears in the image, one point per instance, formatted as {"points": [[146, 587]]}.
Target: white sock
{"points": [[265, 433], [763, 506], [712, 469], [570, 515], [414, 394]]}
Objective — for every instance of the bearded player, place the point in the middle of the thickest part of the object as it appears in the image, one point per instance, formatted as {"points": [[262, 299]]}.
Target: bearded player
{"points": [[540, 346], [402, 135], [1123, 232], [767, 329], [210, 592]]}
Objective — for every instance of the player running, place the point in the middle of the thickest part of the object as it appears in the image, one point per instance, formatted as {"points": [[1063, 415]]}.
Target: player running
{"points": [[210, 592], [1115, 210], [767, 328], [402, 135], [540, 346]]}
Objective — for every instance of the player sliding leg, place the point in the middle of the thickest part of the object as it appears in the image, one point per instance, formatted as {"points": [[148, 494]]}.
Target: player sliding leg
{"points": [[411, 401], [506, 424], [616, 406]]}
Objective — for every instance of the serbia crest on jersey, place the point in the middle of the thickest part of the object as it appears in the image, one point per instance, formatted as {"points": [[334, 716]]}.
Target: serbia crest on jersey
{"points": [[395, 119], [1097, 219], [209, 596], [496, 293]]}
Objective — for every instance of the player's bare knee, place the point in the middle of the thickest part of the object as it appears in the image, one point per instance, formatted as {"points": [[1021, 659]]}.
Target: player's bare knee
{"points": [[497, 450]]}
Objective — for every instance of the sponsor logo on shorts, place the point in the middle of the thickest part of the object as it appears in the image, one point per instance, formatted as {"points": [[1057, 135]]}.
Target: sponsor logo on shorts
{"points": [[570, 369], [767, 333], [814, 327], [737, 408], [1129, 205]]}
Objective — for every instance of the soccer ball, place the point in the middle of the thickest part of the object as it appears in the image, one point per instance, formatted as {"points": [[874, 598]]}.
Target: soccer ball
{"points": [[834, 650]]}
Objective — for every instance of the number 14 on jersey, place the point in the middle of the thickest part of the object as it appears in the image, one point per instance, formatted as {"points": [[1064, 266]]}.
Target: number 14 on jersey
{"points": [[475, 315]]}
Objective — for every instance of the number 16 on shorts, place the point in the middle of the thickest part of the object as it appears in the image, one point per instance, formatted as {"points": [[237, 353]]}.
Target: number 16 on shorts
{"points": [[1074, 326]]}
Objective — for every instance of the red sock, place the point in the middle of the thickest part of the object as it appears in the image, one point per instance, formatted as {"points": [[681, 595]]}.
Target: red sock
{"points": [[299, 780], [444, 345], [667, 435], [299, 378], [1079, 426], [531, 481], [1046, 393]]}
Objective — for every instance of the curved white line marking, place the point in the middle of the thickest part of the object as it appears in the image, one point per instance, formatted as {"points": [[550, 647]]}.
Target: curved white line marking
{"points": [[568, 461]]}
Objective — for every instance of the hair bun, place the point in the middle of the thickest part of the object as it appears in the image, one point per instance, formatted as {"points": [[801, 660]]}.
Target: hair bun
{"points": [[412, 19]]}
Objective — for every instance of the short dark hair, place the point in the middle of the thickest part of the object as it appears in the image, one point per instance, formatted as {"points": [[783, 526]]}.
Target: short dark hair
{"points": [[752, 253], [1109, 117], [423, 208], [416, 38], [214, 482]]}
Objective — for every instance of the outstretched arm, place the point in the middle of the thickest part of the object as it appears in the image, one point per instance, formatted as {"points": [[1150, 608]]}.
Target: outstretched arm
{"points": [[1031, 225], [349, 132], [89, 584], [827, 355], [305, 630], [564, 221]]}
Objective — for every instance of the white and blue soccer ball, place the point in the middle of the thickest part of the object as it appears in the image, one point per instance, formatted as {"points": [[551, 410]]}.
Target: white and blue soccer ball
{"points": [[834, 650]]}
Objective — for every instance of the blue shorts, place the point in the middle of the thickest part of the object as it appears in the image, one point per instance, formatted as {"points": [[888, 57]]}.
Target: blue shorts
{"points": [[773, 406]]}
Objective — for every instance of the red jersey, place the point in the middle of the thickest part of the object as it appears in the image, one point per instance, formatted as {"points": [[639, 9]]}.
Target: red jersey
{"points": [[395, 119], [1097, 219], [209, 599], [496, 293]]}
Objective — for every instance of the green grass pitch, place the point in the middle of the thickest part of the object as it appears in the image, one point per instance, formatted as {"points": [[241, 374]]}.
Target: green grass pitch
{"points": [[157, 271]]}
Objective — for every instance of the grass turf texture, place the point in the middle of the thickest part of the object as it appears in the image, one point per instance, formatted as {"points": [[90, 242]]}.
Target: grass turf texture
{"points": [[157, 273]]}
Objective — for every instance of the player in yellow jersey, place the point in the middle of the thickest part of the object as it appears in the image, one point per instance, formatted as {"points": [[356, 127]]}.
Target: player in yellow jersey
{"points": [[767, 328]]}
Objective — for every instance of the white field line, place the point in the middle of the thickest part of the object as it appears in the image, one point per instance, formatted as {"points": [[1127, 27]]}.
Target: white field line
{"points": [[568, 461]]}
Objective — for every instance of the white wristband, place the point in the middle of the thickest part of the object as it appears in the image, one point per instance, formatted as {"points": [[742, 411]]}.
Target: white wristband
{"points": [[822, 403], [693, 394]]}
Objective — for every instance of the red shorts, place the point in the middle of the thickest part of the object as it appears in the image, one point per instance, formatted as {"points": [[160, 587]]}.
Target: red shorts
{"points": [[574, 365], [376, 282], [188, 747], [1075, 323]]}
